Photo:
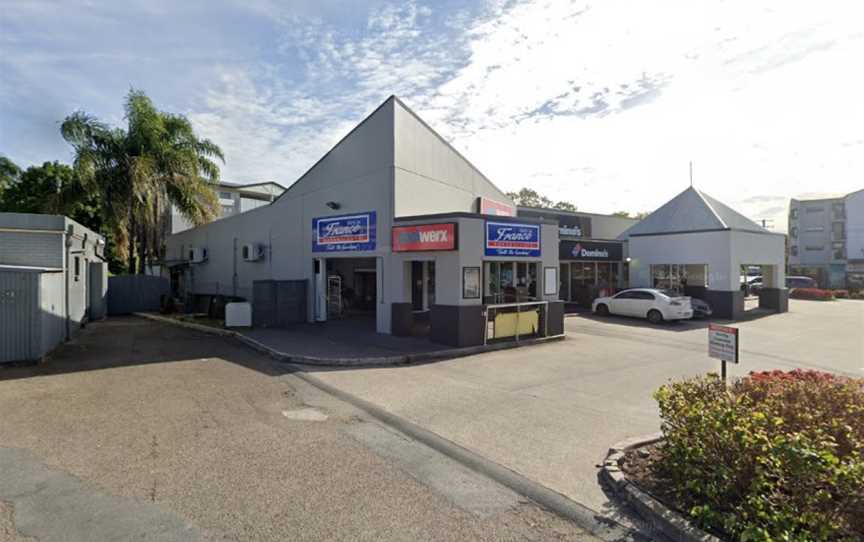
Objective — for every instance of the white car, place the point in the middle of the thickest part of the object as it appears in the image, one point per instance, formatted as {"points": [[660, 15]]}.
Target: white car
{"points": [[651, 303]]}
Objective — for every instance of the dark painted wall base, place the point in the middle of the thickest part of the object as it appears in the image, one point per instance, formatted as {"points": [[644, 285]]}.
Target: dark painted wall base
{"points": [[457, 325], [727, 305], [402, 319], [774, 298], [555, 325], [695, 291]]}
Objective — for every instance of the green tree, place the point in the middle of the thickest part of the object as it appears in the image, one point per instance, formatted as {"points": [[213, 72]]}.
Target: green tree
{"points": [[565, 206], [50, 188], [55, 188], [528, 197], [140, 172], [9, 173]]}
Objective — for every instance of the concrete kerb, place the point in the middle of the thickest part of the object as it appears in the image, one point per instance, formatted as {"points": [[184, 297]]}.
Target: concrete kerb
{"points": [[658, 516], [593, 522], [399, 359]]}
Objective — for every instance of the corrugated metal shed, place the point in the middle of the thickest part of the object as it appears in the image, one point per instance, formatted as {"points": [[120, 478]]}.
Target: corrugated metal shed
{"points": [[20, 326]]}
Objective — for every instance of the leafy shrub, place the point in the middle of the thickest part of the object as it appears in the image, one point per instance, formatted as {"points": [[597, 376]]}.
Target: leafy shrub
{"points": [[775, 456], [811, 293], [841, 294]]}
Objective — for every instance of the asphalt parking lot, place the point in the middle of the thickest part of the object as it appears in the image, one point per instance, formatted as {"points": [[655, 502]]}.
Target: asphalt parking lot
{"points": [[139, 430], [550, 412]]}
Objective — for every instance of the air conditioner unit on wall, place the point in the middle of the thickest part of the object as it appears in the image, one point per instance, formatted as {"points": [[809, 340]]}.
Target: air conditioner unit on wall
{"points": [[253, 252], [197, 254]]}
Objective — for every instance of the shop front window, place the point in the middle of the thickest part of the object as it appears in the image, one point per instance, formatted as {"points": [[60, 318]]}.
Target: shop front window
{"points": [[604, 274], [506, 280], [677, 277], [509, 282], [492, 274], [661, 276]]}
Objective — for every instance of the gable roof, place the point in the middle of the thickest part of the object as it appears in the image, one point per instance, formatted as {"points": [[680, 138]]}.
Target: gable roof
{"points": [[450, 149], [693, 211], [344, 138]]}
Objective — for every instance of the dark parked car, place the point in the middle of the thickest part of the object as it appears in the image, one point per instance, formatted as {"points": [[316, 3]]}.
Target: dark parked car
{"points": [[801, 282], [701, 308]]}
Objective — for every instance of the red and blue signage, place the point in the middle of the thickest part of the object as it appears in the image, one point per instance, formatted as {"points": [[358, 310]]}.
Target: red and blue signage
{"points": [[346, 233], [486, 206], [512, 239], [424, 237]]}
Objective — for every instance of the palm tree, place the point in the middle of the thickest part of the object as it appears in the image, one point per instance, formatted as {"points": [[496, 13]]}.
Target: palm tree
{"points": [[157, 162]]}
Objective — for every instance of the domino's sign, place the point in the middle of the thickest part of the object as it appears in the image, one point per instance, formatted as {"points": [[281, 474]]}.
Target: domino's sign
{"points": [[346, 233], [512, 239]]}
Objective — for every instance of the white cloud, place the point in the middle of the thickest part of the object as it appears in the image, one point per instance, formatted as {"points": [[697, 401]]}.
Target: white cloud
{"points": [[603, 104], [274, 123], [606, 104]]}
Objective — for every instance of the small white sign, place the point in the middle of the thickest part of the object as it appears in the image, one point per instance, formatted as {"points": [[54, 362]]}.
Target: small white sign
{"points": [[723, 342]]}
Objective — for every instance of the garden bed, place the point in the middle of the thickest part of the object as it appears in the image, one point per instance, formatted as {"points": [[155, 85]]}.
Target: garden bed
{"points": [[773, 456]]}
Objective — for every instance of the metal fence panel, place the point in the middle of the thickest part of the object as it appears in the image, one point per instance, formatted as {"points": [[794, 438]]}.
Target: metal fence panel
{"points": [[264, 303], [19, 312], [291, 302], [136, 293], [278, 303], [97, 289]]}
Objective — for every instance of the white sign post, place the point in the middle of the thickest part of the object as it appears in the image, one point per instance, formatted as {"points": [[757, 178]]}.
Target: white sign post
{"points": [[723, 345]]}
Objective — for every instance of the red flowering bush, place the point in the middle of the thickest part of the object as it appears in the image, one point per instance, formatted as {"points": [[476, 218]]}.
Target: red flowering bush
{"points": [[811, 293], [841, 294], [774, 456]]}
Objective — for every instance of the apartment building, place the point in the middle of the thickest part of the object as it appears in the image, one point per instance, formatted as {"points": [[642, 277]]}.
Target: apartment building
{"points": [[234, 199], [826, 240]]}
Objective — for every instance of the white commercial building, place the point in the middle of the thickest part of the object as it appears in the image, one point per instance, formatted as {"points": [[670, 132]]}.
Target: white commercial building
{"points": [[391, 221], [698, 245]]}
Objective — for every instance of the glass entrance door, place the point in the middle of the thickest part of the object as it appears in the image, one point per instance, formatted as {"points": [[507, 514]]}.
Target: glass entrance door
{"points": [[417, 286], [430, 284]]}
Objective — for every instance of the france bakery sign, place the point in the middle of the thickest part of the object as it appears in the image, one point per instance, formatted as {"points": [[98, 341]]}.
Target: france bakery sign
{"points": [[424, 237], [344, 233], [512, 239]]}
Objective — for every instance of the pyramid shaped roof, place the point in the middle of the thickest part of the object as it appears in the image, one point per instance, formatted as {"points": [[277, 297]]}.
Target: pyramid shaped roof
{"points": [[692, 211]]}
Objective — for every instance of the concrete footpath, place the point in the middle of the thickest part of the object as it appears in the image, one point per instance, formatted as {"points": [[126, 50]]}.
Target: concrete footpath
{"points": [[551, 412], [162, 433], [343, 343]]}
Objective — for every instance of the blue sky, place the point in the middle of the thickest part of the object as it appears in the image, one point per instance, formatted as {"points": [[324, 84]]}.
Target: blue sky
{"points": [[601, 103]]}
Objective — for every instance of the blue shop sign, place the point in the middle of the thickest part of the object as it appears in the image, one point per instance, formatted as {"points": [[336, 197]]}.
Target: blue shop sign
{"points": [[346, 233], [512, 239]]}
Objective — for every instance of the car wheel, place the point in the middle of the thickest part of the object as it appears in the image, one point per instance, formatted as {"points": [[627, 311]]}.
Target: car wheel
{"points": [[655, 316], [602, 310]]}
